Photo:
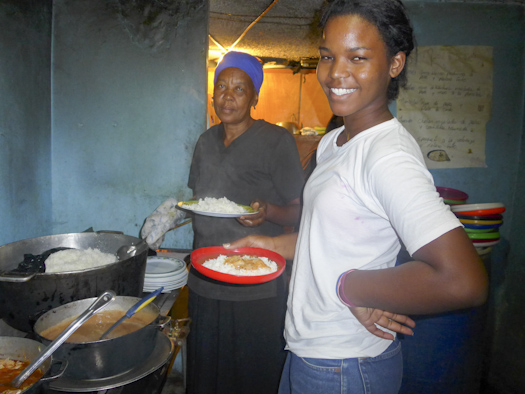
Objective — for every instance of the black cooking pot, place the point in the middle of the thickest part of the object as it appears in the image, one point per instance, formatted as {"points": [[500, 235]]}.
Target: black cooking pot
{"points": [[24, 349], [23, 299], [148, 377], [109, 357]]}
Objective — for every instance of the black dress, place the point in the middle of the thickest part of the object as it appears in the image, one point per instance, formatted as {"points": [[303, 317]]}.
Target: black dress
{"points": [[236, 342]]}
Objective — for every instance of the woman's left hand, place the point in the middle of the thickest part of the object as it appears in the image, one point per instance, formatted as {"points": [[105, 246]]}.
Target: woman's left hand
{"points": [[370, 318], [257, 219]]}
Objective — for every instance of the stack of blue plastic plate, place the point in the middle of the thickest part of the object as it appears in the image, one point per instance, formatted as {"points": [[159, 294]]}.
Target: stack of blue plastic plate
{"points": [[169, 272]]}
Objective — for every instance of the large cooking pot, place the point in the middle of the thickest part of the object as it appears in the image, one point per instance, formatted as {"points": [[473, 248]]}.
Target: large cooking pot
{"points": [[23, 300], [109, 357], [24, 349], [148, 377]]}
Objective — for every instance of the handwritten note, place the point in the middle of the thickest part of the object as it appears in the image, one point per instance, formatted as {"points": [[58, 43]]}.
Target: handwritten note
{"points": [[447, 104]]}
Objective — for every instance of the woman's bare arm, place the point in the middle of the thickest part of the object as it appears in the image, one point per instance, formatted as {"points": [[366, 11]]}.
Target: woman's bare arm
{"points": [[284, 215], [447, 274], [283, 244]]}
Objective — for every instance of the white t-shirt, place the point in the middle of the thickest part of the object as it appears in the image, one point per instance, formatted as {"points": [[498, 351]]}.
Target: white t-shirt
{"points": [[361, 199]]}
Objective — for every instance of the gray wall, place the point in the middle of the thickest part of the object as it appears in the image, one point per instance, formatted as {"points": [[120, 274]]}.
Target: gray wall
{"points": [[25, 129], [501, 26], [127, 110]]}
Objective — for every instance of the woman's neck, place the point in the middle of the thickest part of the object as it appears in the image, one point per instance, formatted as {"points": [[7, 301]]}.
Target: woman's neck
{"points": [[355, 124], [233, 131]]}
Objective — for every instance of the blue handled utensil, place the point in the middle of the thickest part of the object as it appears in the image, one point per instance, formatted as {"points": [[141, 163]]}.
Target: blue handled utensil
{"points": [[134, 309]]}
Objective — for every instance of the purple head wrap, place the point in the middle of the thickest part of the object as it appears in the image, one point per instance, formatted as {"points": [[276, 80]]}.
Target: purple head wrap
{"points": [[247, 63]]}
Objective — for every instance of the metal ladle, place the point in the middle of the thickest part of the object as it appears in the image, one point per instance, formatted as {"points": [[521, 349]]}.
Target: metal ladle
{"points": [[134, 309], [100, 303]]}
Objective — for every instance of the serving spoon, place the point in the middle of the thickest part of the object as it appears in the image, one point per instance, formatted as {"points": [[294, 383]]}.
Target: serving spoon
{"points": [[134, 309], [100, 303]]}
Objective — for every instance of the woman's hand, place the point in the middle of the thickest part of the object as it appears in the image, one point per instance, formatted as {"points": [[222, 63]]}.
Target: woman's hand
{"points": [[252, 241], [369, 317], [257, 219], [282, 244]]}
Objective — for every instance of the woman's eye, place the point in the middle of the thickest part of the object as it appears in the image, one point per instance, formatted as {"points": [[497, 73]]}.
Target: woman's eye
{"points": [[326, 57]]}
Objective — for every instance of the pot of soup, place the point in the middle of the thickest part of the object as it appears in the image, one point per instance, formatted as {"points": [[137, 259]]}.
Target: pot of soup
{"points": [[89, 357], [26, 296], [15, 355], [147, 377]]}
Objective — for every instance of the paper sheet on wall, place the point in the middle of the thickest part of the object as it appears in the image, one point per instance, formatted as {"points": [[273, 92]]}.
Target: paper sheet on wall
{"points": [[447, 104]]}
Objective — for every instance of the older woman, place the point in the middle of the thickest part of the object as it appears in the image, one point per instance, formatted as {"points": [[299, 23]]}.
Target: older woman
{"points": [[236, 343]]}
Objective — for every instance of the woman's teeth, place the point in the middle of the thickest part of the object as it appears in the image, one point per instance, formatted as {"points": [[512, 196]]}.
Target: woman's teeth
{"points": [[340, 92]]}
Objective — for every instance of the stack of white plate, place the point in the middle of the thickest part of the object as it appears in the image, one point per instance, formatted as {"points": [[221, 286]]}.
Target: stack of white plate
{"points": [[168, 272]]}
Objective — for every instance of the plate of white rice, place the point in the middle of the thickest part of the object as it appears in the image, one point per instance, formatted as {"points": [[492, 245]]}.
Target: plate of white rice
{"points": [[255, 265], [218, 207]]}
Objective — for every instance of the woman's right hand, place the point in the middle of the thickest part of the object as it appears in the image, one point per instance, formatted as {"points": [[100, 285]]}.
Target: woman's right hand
{"points": [[252, 241], [371, 318], [282, 244]]}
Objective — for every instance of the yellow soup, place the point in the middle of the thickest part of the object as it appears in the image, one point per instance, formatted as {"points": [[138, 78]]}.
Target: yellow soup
{"points": [[97, 325]]}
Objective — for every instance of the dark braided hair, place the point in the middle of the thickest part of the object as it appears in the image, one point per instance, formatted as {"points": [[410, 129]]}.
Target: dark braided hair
{"points": [[390, 18]]}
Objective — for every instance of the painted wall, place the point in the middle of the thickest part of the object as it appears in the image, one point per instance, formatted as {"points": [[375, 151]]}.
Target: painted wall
{"points": [[129, 102], [25, 129], [503, 28]]}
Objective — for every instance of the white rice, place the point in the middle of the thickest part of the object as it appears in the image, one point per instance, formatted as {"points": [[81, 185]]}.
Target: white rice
{"points": [[217, 205], [219, 265], [76, 259]]}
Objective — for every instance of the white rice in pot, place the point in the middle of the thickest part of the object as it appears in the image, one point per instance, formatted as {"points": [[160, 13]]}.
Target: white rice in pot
{"points": [[77, 259]]}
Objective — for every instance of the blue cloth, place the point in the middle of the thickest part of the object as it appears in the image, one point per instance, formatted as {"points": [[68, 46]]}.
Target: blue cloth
{"points": [[381, 374], [247, 63]]}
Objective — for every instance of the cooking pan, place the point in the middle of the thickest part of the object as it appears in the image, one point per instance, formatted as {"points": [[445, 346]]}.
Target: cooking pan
{"points": [[107, 357], [24, 299], [24, 349]]}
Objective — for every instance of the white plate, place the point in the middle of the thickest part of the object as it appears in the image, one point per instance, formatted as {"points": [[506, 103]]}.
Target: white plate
{"points": [[165, 283], [174, 274], [216, 214], [167, 289], [476, 207], [164, 266]]}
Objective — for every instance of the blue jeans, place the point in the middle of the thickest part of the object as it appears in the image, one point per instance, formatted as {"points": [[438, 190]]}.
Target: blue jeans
{"points": [[364, 375]]}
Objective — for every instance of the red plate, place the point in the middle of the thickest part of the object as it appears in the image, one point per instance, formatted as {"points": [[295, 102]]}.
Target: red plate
{"points": [[448, 193], [200, 256], [482, 212]]}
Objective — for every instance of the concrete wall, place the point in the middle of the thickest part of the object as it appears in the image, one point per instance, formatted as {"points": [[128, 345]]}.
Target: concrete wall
{"points": [[501, 26], [129, 102], [25, 128]]}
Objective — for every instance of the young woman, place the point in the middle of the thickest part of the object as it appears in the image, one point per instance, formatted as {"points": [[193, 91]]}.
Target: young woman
{"points": [[369, 193]]}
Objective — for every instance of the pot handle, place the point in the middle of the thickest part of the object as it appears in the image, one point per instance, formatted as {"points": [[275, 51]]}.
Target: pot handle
{"points": [[162, 322], [16, 277], [57, 369]]}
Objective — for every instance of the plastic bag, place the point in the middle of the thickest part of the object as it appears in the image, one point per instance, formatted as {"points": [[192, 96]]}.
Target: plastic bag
{"points": [[162, 220]]}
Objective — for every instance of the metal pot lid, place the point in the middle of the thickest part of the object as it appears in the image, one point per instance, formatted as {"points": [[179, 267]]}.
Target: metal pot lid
{"points": [[162, 352]]}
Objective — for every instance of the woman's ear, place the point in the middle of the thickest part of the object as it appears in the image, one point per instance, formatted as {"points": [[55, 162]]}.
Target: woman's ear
{"points": [[397, 64], [255, 100]]}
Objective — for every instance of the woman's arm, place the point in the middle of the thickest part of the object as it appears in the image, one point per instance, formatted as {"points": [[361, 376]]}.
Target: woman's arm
{"points": [[284, 215], [447, 274], [282, 244]]}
